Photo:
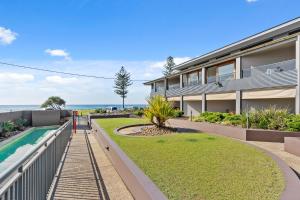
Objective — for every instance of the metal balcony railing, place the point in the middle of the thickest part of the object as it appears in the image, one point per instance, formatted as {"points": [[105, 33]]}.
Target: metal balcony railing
{"points": [[32, 176], [270, 68]]}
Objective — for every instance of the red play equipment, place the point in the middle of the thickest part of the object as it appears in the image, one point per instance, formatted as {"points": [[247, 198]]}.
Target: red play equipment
{"points": [[75, 114]]}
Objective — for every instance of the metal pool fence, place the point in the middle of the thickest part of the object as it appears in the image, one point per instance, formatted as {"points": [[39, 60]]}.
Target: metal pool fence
{"points": [[32, 176]]}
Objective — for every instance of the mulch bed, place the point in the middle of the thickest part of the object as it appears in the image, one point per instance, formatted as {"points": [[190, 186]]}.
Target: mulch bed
{"points": [[153, 131]]}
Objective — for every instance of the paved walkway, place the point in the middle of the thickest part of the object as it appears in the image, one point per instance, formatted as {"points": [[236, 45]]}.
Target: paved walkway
{"points": [[115, 187], [276, 148], [78, 179], [87, 173]]}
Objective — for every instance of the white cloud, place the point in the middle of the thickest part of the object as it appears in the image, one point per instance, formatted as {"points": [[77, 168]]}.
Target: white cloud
{"points": [[7, 36], [59, 53], [251, 1], [8, 77], [61, 80]]}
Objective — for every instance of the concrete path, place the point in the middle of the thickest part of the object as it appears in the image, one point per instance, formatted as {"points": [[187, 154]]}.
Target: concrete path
{"points": [[276, 148], [115, 187]]}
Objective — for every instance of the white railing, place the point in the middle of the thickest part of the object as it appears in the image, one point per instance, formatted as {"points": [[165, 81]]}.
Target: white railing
{"points": [[31, 177]]}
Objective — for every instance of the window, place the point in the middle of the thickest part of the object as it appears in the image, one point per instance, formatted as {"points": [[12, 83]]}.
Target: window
{"points": [[193, 78], [220, 73], [226, 72], [184, 80], [211, 74]]}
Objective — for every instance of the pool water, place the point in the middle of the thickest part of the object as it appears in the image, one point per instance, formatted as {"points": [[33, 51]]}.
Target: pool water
{"points": [[22, 145]]}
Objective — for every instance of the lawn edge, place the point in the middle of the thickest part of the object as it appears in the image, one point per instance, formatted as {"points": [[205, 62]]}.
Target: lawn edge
{"points": [[292, 182]]}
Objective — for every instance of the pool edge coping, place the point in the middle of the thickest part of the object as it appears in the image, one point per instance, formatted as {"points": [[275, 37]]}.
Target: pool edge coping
{"points": [[15, 137]]}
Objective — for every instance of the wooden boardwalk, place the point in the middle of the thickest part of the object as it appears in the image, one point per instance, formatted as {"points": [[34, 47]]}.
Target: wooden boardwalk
{"points": [[80, 178]]}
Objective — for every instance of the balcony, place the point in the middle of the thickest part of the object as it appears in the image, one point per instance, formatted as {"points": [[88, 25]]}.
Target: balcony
{"points": [[173, 86], [221, 78], [269, 69], [279, 74]]}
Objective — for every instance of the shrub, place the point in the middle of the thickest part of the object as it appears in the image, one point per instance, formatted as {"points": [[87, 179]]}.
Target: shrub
{"points": [[100, 110], [270, 118], [8, 126], [21, 123], [212, 117], [139, 112], [293, 123], [232, 119], [178, 113], [159, 110]]}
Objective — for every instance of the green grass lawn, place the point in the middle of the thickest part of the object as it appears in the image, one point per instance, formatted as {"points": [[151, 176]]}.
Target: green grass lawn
{"points": [[201, 166], [86, 111]]}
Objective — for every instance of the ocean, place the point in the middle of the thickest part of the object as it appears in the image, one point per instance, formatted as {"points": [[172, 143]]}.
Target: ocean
{"points": [[9, 108]]}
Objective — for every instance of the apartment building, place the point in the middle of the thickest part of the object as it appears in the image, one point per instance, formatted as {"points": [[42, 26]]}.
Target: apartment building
{"points": [[256, 72]]}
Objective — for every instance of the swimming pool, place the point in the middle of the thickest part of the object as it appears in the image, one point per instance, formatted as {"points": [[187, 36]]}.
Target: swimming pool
{"points": [[19, 147]]}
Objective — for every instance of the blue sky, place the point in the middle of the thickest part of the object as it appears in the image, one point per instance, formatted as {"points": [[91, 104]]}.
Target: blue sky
{"points": [[98, 36]]}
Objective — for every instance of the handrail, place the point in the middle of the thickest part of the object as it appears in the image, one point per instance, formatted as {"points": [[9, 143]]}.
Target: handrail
{"points": [[18, 165]]}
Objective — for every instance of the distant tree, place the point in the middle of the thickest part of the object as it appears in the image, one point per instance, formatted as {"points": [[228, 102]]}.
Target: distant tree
{"points": [[122, 81], [169, 66], [54, 102]]}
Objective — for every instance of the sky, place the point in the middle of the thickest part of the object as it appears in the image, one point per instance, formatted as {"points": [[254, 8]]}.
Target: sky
{"points": [[97, 37]]}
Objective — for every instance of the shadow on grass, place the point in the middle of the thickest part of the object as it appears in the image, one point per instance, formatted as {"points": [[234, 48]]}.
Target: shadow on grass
{"points": [[161, 141], [191, 140], [187, 130], [211, 138]]}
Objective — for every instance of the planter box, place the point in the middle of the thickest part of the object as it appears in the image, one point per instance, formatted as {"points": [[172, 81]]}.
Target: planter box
{"points": [[269, 135], [292, 145], [235, 132]]}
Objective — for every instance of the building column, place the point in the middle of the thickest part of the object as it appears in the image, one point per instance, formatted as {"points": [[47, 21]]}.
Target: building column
{"points": [[181, 81], [238, 75], [238, 103], [238, 65], [203, 75], [203, 102], [181, 103], [297, 100], [165, 87]]}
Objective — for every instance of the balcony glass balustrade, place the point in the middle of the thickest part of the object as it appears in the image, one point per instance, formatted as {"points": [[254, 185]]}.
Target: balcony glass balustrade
{"points": [[220, 78], [285, 67], [173, 86], [270, 68]]}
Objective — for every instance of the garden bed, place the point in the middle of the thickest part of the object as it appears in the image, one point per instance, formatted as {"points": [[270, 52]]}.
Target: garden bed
{"points": [[269, 135], [144, 130], [241, 133]]}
